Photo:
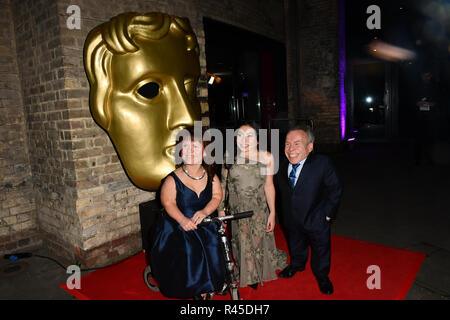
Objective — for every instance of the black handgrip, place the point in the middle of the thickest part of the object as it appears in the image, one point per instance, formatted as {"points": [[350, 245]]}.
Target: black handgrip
{"points": [[205, 222], [242, 215], [236, 216]]}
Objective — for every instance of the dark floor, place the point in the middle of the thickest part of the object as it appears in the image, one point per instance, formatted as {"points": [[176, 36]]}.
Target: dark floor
{"points": [[392, 201], [387, 200]]}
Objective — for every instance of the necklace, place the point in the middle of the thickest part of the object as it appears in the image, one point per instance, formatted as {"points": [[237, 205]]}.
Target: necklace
{"points": [[187, 173]]}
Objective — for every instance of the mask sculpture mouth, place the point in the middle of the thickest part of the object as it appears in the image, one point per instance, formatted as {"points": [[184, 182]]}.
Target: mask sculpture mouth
{"points": [[170, 151]]}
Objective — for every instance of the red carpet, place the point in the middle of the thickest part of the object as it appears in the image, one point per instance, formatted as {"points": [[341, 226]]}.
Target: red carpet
{"points": [[350, 260]]}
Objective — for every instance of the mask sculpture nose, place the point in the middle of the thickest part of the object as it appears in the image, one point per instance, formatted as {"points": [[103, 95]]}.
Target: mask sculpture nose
{"points": [[181, 110]]}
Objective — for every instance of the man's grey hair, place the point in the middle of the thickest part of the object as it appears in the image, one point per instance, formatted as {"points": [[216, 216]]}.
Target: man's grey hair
{"points": [[306, 129]]}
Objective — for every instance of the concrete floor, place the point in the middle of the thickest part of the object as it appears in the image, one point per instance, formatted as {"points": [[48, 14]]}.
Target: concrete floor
{"points": [[387, 200]]}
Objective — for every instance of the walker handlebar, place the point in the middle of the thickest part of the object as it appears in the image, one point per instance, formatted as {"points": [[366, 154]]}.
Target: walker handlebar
{"points": [[240, 215]]}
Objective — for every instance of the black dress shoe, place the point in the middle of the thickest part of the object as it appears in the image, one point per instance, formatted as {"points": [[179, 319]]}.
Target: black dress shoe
{"points": [[253, 286], [325, 285], [289, 271]]}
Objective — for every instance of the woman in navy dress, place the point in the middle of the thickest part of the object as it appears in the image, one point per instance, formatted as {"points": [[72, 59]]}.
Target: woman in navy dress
{"points": [[186, 258]]}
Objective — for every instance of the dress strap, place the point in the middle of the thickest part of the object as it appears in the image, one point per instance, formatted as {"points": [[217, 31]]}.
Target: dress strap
{"points": [[179, 184]]}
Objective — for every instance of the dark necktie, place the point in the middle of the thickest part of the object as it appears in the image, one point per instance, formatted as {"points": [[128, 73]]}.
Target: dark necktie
{"points": [[292, 174]]}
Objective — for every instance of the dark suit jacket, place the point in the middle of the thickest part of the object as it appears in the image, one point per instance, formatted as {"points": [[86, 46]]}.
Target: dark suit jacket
{"points": [[316, 194]]}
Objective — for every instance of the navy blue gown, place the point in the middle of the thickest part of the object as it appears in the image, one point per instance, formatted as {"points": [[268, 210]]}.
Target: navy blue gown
{"points": [[187, 263]]}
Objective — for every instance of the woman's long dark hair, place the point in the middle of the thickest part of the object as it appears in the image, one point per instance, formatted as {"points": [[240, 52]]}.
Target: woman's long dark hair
{"points": [[210, 169]]}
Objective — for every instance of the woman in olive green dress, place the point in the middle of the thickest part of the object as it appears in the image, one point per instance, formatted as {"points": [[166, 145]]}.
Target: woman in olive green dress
{"points": [[250, 187]]}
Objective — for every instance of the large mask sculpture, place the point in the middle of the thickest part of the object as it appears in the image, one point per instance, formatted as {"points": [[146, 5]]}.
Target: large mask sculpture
{"points": [[143, 71]]}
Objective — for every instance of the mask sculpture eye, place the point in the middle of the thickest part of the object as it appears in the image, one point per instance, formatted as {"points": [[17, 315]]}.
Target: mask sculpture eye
{"points": [[149, 90]]}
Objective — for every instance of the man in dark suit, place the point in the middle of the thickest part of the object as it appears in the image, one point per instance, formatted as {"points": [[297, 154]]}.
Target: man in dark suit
{"points": [[308, 195]]}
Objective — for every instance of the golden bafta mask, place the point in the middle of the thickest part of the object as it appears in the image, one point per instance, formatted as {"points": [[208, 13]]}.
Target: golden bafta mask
{"points": [[143, 71]]}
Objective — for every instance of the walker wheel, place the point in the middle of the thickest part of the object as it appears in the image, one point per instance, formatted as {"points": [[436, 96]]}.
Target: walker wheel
{"points": [[224, 290], [234, 293], [149, 280]]}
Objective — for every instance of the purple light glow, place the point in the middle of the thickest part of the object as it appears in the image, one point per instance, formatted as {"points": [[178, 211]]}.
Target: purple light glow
{"points": [[342, 68], [351, 139]]}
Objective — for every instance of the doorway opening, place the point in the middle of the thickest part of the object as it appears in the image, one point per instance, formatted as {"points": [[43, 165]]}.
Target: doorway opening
{"points": [[246, 76]]}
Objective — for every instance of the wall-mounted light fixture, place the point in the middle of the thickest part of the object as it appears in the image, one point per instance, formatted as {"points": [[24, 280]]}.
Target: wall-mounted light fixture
{"points": [[213, 78]]}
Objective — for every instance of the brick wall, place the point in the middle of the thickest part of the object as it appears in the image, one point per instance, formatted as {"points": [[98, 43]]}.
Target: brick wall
{"points": [[60, 174], [18, 223], [319, 69], [107, 203], [85, 207], [44, 101]]}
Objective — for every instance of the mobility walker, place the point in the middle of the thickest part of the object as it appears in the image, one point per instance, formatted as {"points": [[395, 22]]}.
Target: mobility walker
{"points": [[231, 285]]}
